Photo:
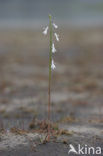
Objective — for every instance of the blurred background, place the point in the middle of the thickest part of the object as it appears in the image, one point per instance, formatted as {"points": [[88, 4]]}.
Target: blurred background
{"points": [[23, 13], [77, 82]]}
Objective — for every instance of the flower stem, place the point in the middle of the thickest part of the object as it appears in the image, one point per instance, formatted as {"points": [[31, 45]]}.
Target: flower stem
{"points": [[49, 85]]}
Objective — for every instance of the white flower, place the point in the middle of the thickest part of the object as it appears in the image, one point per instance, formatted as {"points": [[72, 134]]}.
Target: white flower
{"points": [[53, 48], [55, 26], [57, 36], [53, 65], [45, 31]]}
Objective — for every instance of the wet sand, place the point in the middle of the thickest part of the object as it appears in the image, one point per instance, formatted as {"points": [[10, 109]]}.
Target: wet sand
{"points": [[77, 88]]}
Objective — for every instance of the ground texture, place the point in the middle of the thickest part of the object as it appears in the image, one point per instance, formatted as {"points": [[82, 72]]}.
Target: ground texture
{"points": [[77, 91]]}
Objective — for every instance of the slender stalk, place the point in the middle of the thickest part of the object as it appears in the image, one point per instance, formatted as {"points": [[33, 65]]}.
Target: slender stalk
{"points": [[49, 85]]}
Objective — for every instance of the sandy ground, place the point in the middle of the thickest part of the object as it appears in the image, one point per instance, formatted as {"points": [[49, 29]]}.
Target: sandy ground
{"points": [[77, 90]]}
